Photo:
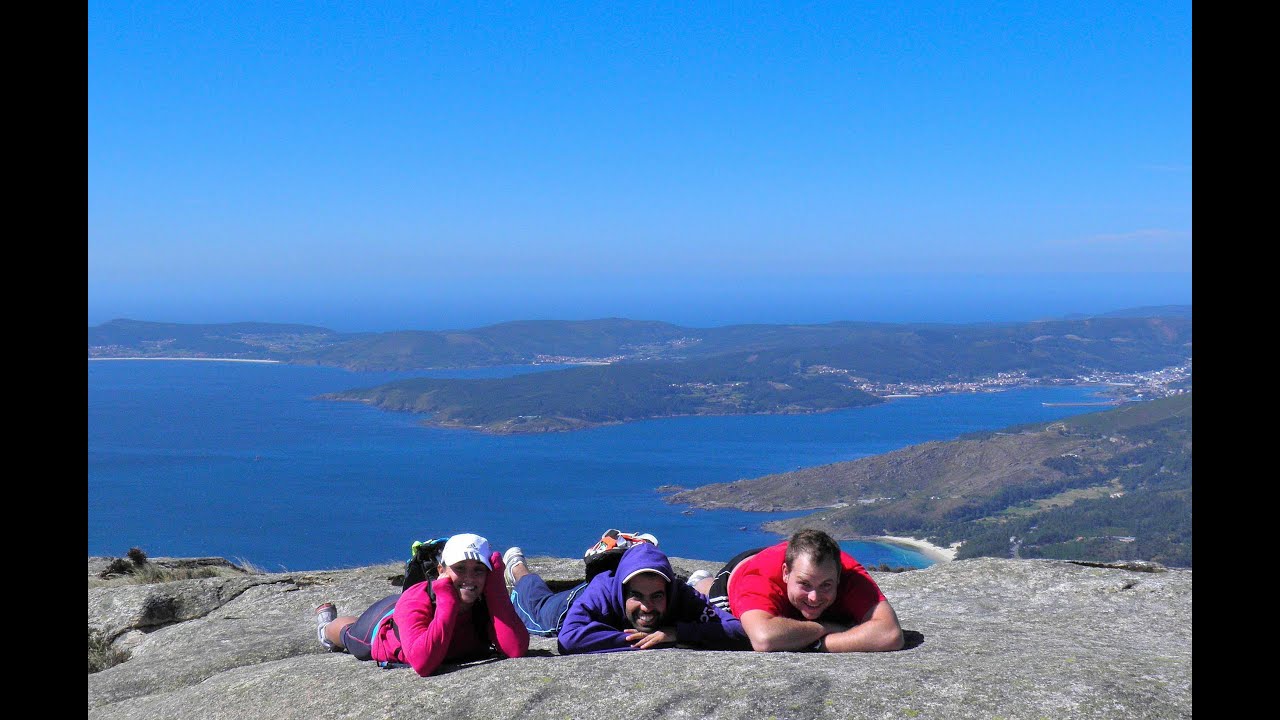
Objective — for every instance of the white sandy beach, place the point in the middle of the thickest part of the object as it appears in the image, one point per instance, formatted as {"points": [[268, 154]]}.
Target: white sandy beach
{"points": [[198, 359], [933, 552]]}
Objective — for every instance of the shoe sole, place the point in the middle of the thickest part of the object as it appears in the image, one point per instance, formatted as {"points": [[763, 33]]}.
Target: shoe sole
{"points": [[506, 573], [320, 613]]}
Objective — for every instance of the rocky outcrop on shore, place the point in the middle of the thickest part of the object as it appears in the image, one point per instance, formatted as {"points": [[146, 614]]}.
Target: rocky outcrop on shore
{"points": [[985, 638]]}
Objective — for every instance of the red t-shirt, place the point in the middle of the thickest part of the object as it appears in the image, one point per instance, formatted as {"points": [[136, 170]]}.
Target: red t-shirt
{"points": [[757, 585]]}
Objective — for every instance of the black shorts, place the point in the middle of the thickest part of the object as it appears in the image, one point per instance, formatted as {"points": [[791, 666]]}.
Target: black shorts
{"points": [[719, 595]]}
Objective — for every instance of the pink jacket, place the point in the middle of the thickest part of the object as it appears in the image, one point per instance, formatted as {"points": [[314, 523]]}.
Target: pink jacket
{"points": [[428, 636]]}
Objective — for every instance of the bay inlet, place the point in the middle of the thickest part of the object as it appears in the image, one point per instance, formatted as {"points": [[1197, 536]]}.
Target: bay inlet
{"points": [[240, 460]]}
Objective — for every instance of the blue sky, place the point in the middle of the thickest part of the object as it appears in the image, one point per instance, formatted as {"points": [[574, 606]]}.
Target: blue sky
{"points": [[430, 165]]}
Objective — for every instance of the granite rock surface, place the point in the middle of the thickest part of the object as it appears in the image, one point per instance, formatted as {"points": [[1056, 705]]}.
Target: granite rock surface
{"points": [[986, 638]]}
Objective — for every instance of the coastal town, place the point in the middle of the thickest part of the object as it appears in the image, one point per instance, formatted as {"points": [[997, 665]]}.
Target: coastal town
{"points": [[1118, 386]]}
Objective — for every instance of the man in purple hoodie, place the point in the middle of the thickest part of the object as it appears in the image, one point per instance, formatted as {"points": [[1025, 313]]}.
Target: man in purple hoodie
{"points": [[637, 606]]}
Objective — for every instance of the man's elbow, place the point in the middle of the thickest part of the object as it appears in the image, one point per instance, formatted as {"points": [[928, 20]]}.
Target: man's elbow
{"points": [[762, 642], [568, 644], [889, 640]]}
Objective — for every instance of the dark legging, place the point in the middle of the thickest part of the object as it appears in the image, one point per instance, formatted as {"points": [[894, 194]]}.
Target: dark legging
{"points": [[358, 636]]}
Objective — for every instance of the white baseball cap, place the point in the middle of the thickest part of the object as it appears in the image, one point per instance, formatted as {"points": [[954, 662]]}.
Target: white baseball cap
{"points": [[466, 546], [644, 570]]}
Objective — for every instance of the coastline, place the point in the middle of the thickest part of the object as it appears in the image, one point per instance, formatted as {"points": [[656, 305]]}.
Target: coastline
{"points": [[198, 359], [505, 427], [935, 553]]}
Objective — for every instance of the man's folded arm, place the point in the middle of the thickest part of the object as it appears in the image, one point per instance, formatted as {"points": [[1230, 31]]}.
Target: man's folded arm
{"points": [[771, 633], [879, 631]]}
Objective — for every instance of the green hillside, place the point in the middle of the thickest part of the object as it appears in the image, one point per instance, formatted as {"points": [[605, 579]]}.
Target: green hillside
{"points": [[514, 343], [592, 395], [246, 340], [1106, 486]]}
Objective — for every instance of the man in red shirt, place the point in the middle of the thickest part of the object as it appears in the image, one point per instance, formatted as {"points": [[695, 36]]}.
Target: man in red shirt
{"points": [[806, 594]]}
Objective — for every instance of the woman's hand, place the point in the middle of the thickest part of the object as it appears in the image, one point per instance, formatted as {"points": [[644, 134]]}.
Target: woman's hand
{"points": [[496, 584], [443, 586]]}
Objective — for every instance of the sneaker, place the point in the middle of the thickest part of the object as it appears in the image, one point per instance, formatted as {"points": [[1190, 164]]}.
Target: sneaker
{"points": [[627, 540], [325, 614], [696, 578], [512, 557]]}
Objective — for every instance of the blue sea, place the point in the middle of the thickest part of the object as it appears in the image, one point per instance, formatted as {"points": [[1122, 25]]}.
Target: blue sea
{"points": [[240, 460]]}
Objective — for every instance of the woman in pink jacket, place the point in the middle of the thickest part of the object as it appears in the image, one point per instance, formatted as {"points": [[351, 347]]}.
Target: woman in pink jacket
{"points": [[470, 618]]}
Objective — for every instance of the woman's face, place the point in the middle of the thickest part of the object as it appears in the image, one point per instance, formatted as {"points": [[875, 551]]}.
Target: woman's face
{"points": [[468, 577]]}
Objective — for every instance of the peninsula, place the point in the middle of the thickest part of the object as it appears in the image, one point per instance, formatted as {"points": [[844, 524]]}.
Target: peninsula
{"points": [[631, 370]]}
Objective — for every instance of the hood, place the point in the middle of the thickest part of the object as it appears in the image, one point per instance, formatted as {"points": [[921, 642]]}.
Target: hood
{"points": [[596, 619], [642, 558]]}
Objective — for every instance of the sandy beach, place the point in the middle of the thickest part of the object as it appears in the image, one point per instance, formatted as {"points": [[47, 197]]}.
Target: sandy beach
{"points": [[933, 552]]}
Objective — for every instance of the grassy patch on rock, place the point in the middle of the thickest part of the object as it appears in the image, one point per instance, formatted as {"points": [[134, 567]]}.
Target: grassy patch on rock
{"points": [[101, 653], [137, 569]]}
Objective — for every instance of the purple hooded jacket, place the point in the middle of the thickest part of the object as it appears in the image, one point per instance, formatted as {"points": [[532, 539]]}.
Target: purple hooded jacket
{"points": [[597, 617]]}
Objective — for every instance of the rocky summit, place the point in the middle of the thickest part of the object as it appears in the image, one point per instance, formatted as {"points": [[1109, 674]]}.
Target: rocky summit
{"points": [[986, 638]]}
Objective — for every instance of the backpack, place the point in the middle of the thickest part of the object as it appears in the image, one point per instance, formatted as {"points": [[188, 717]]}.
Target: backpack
{"points": [[424, 564], [605, 555]]}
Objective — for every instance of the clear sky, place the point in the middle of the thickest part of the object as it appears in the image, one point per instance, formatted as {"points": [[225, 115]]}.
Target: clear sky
{"points": [[396, 165]]}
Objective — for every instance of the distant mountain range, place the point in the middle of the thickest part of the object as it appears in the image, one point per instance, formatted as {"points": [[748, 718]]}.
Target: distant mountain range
{"points": [[643, 369], [511, 343], [1113, 485]]}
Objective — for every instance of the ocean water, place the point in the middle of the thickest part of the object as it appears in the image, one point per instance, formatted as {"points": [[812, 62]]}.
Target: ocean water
{"points": [[239, 460]]}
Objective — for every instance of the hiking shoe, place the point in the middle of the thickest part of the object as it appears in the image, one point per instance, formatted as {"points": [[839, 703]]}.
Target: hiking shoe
{"points": [[608, 541], [325, 614], [512, 557], [696, 578], [628, 540]]}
